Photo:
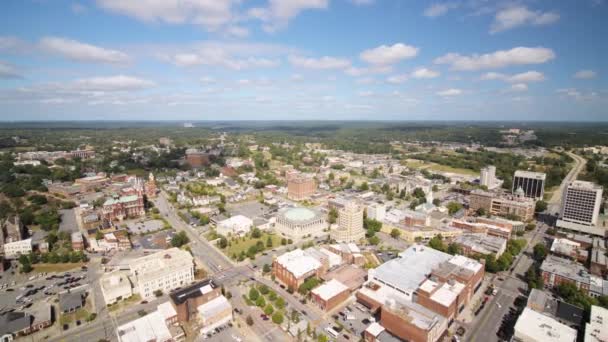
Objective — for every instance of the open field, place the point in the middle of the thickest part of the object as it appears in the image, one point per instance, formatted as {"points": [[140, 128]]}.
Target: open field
{"points": [[237, 246], [419, 165]]}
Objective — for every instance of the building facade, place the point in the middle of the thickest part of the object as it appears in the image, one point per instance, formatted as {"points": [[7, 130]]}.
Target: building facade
{"points": [[301, 187], [296, 223], [164, 271], [532, 183], [580, 208], [350, 224]]}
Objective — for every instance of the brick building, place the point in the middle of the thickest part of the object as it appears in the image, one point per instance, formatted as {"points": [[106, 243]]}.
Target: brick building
{"points": [[330, 294], [502, 204], [301, 187], [197, 159], [188, 299], [293, 268]]}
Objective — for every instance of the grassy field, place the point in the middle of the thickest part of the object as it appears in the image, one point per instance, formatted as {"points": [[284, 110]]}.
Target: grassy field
{"points": [[417, 164], [238, 246], [56, 267], [134, 299]]}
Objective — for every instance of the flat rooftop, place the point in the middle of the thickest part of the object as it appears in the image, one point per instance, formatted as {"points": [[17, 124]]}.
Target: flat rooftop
{"points": [[195, 290], [330, 289], [534, 326], [530, 174]]}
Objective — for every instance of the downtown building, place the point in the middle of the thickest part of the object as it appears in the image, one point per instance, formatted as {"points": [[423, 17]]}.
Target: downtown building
{"points": [[532, 183], [350, 224], [420, 293], [165, 270], [503, 204], [300, 187], [580, 208]]}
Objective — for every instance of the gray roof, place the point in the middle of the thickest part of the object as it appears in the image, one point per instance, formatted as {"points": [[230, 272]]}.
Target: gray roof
{"points": [[565, 268], [13, 322], [71, 300]]}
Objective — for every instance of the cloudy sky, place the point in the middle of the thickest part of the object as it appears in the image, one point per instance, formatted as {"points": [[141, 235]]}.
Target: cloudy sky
{"points": [[304, 59]]}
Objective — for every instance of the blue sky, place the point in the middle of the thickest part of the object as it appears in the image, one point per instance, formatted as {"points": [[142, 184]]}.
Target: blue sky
{"points": [[303, 59]]}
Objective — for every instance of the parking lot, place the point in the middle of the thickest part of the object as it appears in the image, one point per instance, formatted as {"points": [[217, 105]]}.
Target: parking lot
{"points": [[224, 333], [16, 295], [160, 240], [355, 318]]}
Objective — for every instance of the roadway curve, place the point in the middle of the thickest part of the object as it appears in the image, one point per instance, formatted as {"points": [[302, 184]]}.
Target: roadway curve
{"points": [[555, 201]]}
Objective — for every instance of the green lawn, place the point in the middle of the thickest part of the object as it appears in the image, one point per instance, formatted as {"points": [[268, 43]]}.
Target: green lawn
{"points": [[238, 246], [417, 164]]}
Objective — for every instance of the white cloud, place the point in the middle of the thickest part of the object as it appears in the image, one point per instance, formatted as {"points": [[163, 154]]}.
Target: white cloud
{"points": [[577, 94], [207, 80], [112, 83], [439, 9], [516, 16], [365, 80], [238, 31], [585, 74], [9, 43], [325, 62], [365, 93], [529, 76], [498, 59], [82, 52], [397, 79], [362, 2], [218, 56], [524, 77], [8, 71], [519, 87], [449, 92], [385, 55], [425, 73], [212, 14], [279, 12]]}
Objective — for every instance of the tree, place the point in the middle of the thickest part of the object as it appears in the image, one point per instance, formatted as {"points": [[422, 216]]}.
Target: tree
{"points": [[437, 243], [332, 215], [268, 310], [249, 320], [158, 293], [395, 233], [263, 289], [260, 302], [364, 186], [266, 268], [540, 251], [530, 226], [481, 212], [454, 207], [180, 239], [540, 206], [269, 242], [280, 303], [256, 233], [98, 235], [253, 294], [283, 241], [454, 248], [277, 317], [419, 193], [223, 242], [322, 338], [374, 240]]}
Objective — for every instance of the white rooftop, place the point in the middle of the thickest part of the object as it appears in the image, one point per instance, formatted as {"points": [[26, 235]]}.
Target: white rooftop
{"points": [[447, 293], [467, 263], [330, 289], [375, 329], [534, 326], [298, 263], [530, 174], [213, 307], [410, 269], [166, 310], [151, 327], [597, 328]]}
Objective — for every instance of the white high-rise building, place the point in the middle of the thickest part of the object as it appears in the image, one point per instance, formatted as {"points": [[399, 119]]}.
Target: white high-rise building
{"points": [[580, 208], [376, 211], [488, 176], [350, 224]]}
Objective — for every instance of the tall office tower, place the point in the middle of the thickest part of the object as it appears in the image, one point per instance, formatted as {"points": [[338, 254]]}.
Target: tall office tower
{"points": [[580, 208], [488, 176], [350, 224], [532, 183]]}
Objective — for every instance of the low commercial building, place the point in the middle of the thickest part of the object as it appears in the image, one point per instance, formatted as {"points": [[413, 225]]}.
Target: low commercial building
{"points": [[421, 233], [115, 286], [475, 226], [556, 270], [330, 294], [235, 225], [597, 328], [293, 268], [77, 241], [412, 322], [151, 327], [350, 275], [71, 301], [16, 248], [162, 271], [472, 244], [447, 299], [569, 249], [214, 313], [297, 223], [188, 299], [533, 326], [350, 253]]}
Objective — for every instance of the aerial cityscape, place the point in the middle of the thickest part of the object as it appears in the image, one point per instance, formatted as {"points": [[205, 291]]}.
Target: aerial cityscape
{"points": [[303, 170]]}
